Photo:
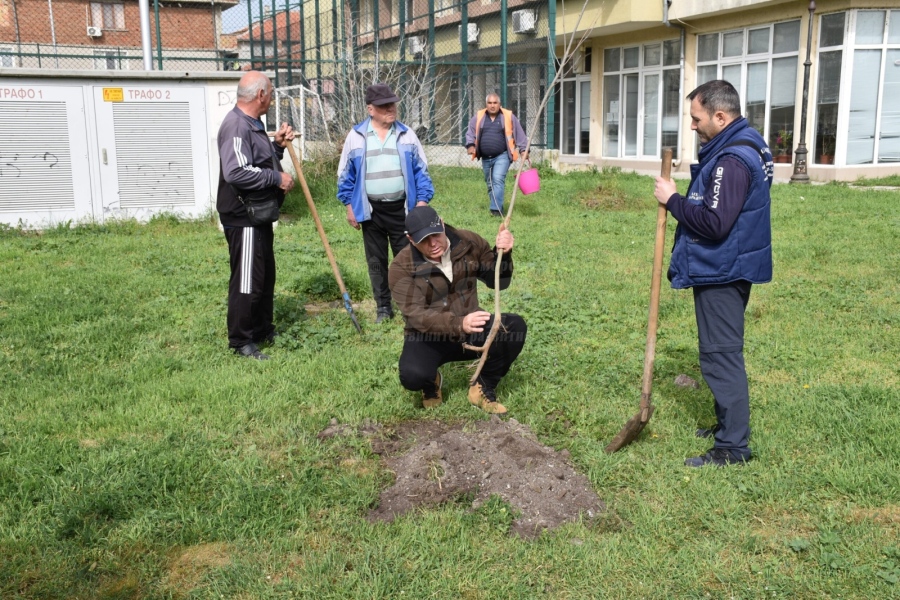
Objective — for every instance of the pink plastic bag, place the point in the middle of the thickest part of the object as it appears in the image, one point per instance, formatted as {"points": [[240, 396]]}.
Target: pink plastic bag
{"points": [[529, 182]]}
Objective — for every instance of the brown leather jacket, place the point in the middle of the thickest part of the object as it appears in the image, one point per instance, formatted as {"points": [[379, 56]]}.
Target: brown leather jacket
{"points": [[432, 304]]}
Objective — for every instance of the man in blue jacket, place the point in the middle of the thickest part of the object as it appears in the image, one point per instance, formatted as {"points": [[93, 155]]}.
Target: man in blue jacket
{"points": [[382, 175], [723, 245]]}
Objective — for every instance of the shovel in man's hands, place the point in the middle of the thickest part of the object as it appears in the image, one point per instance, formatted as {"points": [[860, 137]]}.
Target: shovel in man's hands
{"points": [[636, 424]]}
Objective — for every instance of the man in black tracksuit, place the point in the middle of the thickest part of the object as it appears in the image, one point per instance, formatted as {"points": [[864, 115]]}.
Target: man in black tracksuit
{"points": [[250, 162]]}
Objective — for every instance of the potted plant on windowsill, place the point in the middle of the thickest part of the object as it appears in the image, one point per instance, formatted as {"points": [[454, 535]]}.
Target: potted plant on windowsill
{"points": [[826, 157], [783, 141]]}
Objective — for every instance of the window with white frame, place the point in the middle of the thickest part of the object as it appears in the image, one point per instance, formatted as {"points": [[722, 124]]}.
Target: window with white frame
{"points": [[107, 60], [761, 63], [366, 16], [444, 7], [575, 106], [517, 92], [6, 57], [325, 88], [409, 11], [641, 99], [858, 123], [108, 15]]}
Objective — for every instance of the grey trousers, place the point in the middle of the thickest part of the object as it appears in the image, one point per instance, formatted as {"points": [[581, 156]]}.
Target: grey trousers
{"points": [[720, 328]]}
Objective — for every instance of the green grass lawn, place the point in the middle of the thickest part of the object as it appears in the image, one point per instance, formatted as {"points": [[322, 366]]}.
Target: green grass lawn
{"points": [[139, 459]]}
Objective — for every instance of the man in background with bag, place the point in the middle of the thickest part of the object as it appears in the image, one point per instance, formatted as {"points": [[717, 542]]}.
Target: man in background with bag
{"points": [[251, 190], [496, 137]]}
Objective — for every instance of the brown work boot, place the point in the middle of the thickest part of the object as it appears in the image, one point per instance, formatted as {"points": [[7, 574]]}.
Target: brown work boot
{"points": [[485, 399], [434, 401]]}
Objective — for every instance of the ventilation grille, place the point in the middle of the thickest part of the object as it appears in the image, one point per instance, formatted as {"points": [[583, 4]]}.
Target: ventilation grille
{"points": [[35, 174], [153, 154]]}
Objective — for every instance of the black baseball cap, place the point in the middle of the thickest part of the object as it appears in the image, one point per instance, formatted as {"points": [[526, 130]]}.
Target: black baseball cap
{"points": [[380, 93], [421, 222]]}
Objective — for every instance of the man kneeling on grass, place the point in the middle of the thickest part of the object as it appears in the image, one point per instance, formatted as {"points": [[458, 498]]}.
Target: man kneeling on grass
{"points": [[433, 282]]}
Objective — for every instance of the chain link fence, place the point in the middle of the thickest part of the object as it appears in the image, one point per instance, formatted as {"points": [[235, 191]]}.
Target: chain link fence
{"points": [[442, 57]]}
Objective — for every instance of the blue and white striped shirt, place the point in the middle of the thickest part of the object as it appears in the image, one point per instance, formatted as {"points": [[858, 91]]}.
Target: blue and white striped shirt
{"points": [[384, 179]]}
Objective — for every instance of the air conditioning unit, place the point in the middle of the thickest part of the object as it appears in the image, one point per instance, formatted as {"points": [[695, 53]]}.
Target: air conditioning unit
{"points": [[524, 21], [94, 32], [472, 32], [416, 45]]}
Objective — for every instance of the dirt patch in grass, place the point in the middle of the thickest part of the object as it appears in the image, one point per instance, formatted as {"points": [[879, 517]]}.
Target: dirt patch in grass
{"points": [[886, 515], [436, 462], [188, 568], [317, 308], [605, 197]]}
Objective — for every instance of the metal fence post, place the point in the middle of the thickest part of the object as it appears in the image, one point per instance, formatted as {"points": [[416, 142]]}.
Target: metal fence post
{"points": [[503, 57], [464, 70], [431, 44], [159, 57], [550, 139], [318, 45], [275, 62]]}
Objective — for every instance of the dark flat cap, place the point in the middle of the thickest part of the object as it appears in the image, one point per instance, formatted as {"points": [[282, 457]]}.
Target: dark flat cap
{"points": [[380, 93]]}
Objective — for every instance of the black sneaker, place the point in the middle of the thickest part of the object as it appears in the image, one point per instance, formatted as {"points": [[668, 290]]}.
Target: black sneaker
{"points": [[718, 457], [251, 351], [707, 433], [496, 213], [383, 314]]}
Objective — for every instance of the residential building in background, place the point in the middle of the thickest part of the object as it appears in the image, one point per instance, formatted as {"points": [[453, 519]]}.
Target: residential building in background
{"points": [[622, 94], [624, 99], [106, 35]]}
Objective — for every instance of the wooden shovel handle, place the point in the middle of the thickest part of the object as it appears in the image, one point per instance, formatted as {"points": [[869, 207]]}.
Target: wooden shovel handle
{"points": [[655, 283]]}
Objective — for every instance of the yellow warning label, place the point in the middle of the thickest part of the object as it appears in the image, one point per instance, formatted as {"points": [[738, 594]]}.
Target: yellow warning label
{"points": [[113, 95]]}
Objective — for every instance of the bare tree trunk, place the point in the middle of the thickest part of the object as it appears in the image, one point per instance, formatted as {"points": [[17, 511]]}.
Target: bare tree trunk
{"points": [[571, 47]]}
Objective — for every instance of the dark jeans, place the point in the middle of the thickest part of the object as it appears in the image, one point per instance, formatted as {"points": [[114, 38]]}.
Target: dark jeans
{"points": [[251, 289], [387, 225], [422, 355], [720, 328]]}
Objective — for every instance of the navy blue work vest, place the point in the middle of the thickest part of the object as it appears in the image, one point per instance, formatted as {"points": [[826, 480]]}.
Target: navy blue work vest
{"points": [[746, 252]]}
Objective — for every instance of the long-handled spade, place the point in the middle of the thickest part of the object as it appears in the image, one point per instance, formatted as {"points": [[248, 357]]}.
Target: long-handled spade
{"points": [[636, 424], [315, 214]]}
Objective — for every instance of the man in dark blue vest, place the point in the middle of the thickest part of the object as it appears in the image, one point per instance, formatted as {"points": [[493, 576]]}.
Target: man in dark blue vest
{"points": [[723, 245]]}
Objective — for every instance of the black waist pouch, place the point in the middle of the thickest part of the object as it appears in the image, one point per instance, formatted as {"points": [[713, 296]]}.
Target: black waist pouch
{"points": [[262, 206]]}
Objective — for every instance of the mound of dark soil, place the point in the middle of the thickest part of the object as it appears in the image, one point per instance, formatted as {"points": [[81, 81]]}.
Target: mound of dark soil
{"points": [[436, 462]]}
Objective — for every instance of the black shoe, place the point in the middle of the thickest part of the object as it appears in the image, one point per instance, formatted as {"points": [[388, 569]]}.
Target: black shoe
{"points": [[383, 314], [496, 213], [718, 457], [707, 433], [251, 351]]}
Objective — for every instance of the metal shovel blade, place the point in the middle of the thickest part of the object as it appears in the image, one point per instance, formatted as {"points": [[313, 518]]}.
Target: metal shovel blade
{"points": [[629, 432]]}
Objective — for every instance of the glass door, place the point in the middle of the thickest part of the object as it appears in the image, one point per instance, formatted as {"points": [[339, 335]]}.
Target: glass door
{"points": [[576, 115]]}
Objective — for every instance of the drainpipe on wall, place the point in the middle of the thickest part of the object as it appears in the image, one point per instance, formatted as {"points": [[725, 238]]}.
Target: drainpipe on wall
{"points": [[666, 3], [53, 34], [216, 28], [146, 52], [18, 39]]}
